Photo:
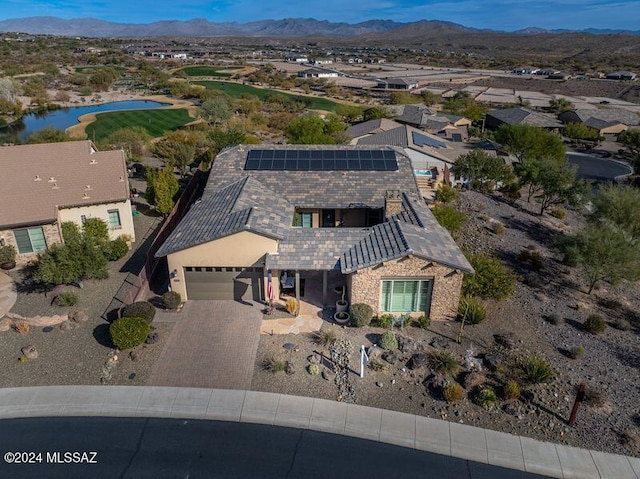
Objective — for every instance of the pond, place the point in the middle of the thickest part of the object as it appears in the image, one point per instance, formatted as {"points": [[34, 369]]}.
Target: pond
{"points": [[65, 117], [599, 170]]}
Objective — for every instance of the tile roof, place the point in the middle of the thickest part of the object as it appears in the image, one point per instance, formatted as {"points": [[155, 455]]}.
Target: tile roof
{"points": [[316, 189], [239, 206], [407, 136], [610, 115], [415, 115], [370, 127], [523, 116], [39, 179]]}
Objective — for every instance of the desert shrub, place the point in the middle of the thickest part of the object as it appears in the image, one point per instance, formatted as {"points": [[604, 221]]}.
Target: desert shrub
{"points": [[313, 369], [361, 314], [141, 309], [595, 324], [443, 362], [594, 397], [171, 300], [424, 321], [385, 320], [491, 279], [576, 352], [96, 229], [21, 327], [127, 333], [622, 324], [511, 390], [291, 305], [453, 392], [274, 365], [472, 310], [377, 366], [497, 228], [532, 257], [326, 337], [388, 341], [66, 298], [511, 191], [554, 319], [558, 212], [7, 254], [116, 249], [446, 193], [537, 369], [449, 217], [486, 397]]}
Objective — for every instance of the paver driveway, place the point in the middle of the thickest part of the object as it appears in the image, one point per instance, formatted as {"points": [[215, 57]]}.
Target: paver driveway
{"points": [[212, 345]]}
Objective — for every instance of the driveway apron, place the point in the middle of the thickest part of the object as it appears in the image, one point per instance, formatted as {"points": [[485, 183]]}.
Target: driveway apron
{"points": [[212, 345]]}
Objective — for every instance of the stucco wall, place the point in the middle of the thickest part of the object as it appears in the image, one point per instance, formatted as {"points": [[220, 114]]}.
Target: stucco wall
{"points": [[51, 235], [101, 211], [365, 285], [239, 250]]}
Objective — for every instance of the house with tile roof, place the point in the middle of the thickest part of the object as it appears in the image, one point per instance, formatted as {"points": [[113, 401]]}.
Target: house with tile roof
{"points": [[520, 116], [45, 185], [314, 216], [607, 121]]}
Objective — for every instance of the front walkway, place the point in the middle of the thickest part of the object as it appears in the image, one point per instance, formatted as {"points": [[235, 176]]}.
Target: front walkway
{"points": [[406, 430], [8, 294], [213, 344]]}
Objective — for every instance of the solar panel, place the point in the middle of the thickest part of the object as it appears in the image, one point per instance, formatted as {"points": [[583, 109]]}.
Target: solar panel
{"points": [[321, 160]]}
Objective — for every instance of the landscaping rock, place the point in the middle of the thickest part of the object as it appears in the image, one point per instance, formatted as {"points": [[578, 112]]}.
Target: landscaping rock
{"points": [[409, 345], [491, 361], [507, 340], [134, 356], [5, 325], [418, 360], [79, 317], [328, 374], [390, 357], [30, 352], [152, 338], [66, 326], [439, 342], [512, 409], [472, 380], [314, 359]]}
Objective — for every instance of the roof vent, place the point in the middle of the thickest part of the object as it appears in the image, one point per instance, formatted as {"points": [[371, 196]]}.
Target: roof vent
{"points": [[51, 179], [37, 178], [87, 187], [122, 179], [85, 196], [93, 161], [55, 186]]}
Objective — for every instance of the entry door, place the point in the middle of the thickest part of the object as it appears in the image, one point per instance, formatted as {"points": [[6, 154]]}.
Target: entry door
{"points": [[328, 218]]}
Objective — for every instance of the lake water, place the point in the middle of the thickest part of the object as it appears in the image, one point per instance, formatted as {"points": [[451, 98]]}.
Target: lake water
{"points": [[65, 117]]}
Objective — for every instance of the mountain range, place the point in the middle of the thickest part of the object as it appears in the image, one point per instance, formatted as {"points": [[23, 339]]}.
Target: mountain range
{"points": [[91, 27]]}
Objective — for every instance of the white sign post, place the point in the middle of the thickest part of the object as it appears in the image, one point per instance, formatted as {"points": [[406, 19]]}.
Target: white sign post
{"points": [[363, 359]]}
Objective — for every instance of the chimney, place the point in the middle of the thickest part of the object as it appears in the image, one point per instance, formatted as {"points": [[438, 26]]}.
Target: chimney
{"points": [[392, 203]]}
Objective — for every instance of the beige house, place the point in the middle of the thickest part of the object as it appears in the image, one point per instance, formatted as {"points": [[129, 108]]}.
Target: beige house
{"points": [[298, 216], [45, 185]]}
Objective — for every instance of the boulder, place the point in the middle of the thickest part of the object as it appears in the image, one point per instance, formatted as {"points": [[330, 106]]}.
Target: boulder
{"points": [[328, 374], [30, 352], [134, 356], [474, 379], [408, 345], [507, 340], [5, 324], [66, 326], [390, 357], [79, 317], [418, 360], [491, 361], [439, 342], [152, 338]]}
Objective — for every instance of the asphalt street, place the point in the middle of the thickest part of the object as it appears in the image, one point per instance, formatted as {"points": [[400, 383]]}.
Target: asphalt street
{"points": [[130, 448]]}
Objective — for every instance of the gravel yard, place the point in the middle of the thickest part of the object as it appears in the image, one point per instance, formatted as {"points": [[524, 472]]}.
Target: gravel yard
{"points": [[611, 361]]}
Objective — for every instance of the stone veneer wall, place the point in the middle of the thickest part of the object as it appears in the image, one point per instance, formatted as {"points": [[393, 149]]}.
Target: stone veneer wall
{"points": [[365, 284], [51, 235]]}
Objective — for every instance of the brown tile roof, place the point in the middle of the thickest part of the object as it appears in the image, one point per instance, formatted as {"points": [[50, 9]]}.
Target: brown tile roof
{"points": [[38, 179]]}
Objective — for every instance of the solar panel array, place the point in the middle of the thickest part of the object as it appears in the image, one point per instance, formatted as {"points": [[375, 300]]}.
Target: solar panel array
{"points": [[321, 160], [421, 140]]}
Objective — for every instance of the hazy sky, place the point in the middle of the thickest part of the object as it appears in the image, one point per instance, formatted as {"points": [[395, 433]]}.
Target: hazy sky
{"points": [[495, 14]]}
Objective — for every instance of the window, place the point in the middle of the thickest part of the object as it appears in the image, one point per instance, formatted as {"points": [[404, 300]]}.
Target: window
{"points": [[406, 295], [30, 240], [114, 219], [306, 220]]}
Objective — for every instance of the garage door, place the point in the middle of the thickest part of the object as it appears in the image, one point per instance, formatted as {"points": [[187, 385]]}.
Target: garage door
{"points": [[240, 284]]}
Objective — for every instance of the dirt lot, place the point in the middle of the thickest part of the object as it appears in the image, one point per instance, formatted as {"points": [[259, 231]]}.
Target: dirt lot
{"points": [[611, 362]]}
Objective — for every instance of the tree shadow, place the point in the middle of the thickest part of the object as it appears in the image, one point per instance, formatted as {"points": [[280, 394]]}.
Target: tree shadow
{"points": [[102, 336], [137, 260], [576, 324]]}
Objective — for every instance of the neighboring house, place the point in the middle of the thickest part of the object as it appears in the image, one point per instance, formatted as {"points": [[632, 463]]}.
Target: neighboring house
{"points": [[296, 58], [525, 71], [621, 76], [371, 127], [321, 61], [520, 116], [397, 84], [47, 184], [316, 73], [346, 214], [451, 127], [608, 121]]}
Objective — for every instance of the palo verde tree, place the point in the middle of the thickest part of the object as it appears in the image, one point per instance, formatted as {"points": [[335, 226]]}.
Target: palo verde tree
{"points": [[313, 130], [132, 141], [482, 169], [619, 207], [559, 105], [559, 186], [215, 110]]}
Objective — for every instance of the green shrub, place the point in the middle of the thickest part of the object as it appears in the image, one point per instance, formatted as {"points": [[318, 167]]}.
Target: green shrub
{"points": [[471, 310], [576, 352], [537, 369], [491, 279], [443, 362], [385, 320], [497, 228], [558, 212], [388, 341], [595, 324], [532, 257], [7, 254], [449, 217], [377, 366], [71, 233], [96, 229], [141, 309], [594, 397], [171, 299], [116, 249], [446, 193], [274, 365], [511, 390], [424, 321], [66, 298], [127, 333], [326, 337], [622, 324], [453, 392], [313, 369], [486, 397], [361, 314]]}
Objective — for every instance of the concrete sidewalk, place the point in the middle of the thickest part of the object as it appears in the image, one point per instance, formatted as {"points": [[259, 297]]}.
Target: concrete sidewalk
{"points": [[421, 433]]}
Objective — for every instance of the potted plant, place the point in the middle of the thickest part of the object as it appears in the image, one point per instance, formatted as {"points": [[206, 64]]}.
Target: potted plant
{"points": [[7, 257], [342, 317], [342, 305]]}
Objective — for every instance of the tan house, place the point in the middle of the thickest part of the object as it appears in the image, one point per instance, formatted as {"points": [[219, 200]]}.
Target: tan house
{"points": [[349, 215], [45, 185]]}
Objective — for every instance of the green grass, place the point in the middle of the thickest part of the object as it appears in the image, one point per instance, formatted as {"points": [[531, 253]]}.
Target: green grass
{"points": [[156, 122], [206, 71], [92, 69], [236, 90]]}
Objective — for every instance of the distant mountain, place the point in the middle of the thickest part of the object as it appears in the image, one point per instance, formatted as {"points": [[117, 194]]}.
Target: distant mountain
{"points": [[594, 31], [91, 27]]}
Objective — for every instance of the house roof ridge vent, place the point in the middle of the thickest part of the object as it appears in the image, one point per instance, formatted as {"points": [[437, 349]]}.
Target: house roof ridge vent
{"points": [[37, 178], [51, 179], [93, 161]]}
